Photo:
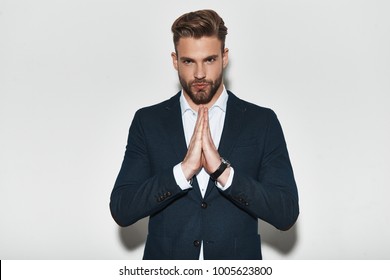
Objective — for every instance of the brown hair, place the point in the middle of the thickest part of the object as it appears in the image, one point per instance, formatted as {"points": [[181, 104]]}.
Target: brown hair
{"points": [[198, 24]]}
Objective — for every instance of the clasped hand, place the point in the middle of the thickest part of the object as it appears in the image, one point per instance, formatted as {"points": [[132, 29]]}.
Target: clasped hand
{"points": [[201, 152]]}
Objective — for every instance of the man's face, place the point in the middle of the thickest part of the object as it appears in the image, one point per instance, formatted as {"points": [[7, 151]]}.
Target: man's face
{"points": [[200, 63]]}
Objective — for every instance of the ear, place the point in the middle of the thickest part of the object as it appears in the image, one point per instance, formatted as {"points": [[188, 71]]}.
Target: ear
{"points": [[225, 57], [174, 60]]}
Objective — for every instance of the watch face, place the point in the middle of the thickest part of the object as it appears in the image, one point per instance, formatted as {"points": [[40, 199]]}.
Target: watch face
{"points": [[225, 161]]}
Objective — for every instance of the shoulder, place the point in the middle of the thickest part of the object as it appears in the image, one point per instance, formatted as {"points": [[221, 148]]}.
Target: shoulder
{"points": [[250, 109], [157, 110], [258, 120]]}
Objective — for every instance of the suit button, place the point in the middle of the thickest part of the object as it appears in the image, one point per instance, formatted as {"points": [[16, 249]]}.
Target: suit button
{"points": [[196, 243], [169, 194], [204, 205]]}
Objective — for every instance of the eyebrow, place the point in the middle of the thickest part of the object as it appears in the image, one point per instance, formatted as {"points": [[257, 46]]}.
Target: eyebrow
{"points": [[184, 58]]}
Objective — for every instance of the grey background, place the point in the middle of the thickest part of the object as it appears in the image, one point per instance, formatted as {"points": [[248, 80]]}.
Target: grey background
{"points": [[73, 73]]}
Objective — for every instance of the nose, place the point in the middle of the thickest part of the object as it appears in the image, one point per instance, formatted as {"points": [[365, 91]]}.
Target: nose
{"points": [[200, 72]]}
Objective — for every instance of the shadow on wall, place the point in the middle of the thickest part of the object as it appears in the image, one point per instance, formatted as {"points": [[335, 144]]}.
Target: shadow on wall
{"points": [[134, 236], [281, 241]]}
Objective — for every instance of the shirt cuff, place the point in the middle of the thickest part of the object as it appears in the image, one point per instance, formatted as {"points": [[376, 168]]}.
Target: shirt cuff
{"points": [[181, 180], [228, 183]]}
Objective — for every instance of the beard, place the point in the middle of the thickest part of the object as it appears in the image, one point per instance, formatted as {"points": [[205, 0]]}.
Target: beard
{"points": [[207, 91]]}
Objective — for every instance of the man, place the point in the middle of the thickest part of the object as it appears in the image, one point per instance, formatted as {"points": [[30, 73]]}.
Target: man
{"points": [[204, 165]]}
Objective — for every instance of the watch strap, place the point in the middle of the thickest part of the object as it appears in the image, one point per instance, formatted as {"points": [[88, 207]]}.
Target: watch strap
{"points": [[224, 164]]}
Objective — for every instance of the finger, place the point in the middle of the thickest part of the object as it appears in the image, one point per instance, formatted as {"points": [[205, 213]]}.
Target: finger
{"points": [[207, 138], [199, 122], [206, 129], [198, 126], [200, 116]]}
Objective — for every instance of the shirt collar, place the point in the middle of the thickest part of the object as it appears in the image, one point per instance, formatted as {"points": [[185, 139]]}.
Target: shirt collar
{"points": [[221, 102]]}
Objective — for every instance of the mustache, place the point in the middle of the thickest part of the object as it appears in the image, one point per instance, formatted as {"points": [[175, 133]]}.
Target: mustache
{"points": [[202, 81]]}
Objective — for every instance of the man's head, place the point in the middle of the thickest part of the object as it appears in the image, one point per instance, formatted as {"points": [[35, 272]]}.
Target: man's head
{"points": [[200, 57]]}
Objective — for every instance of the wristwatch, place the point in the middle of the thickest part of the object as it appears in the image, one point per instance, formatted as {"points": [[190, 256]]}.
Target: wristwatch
{"points": [[224, 164]]}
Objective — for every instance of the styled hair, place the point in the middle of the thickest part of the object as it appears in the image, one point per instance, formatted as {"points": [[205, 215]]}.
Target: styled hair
{"points": [[198, 24]]}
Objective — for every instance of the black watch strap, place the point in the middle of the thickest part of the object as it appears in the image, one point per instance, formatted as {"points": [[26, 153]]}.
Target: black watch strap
{"points": [[224, 164]]}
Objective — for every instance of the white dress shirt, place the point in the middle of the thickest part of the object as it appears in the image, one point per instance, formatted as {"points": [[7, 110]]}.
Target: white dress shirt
{"points": [[216, 121]]}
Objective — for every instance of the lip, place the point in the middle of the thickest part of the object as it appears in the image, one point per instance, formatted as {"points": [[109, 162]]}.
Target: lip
{"points": [[200, 85]]}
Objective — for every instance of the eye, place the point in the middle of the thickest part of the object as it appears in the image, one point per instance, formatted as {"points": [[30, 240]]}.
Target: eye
{"points": [[211, 59], [187, 62]]}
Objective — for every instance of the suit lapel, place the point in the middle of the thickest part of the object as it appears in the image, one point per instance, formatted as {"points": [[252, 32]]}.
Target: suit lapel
{"points": [[176, 135], [232, 126], [174, 127], [231, 130]]}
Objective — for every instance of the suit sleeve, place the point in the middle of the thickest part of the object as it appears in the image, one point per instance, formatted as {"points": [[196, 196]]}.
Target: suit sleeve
{"points": [[271, 196], [138, 192]]}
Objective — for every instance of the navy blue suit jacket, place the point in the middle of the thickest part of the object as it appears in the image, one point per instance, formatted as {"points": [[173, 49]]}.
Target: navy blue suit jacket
{"points": [[226, 221]]}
